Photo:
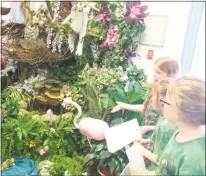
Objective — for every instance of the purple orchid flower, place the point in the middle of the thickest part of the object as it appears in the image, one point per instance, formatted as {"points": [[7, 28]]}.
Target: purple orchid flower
{"points": [[111, 40], [128, 54], [135, 12], [104, 16]]}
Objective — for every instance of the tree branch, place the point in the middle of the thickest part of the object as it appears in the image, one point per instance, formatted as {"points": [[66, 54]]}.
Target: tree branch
{"points": [[50, 9]]}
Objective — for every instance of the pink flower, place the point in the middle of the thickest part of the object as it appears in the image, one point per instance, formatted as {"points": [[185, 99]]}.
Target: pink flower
{"points": [[4, 60], [111, 40], [46, 149], [104, 16], [135, 12], [41, 152], [123, 77]]}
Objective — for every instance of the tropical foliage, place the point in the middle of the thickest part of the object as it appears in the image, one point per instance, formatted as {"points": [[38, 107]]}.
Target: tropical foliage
{"points": [[97, 79]]}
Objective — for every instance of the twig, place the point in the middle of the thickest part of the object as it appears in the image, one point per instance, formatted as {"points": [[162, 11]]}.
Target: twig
{"points": [[10, 29], [50, 9]]}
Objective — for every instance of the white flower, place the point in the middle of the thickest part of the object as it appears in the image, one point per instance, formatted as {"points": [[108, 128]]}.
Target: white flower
{"points": [[52, 130]]}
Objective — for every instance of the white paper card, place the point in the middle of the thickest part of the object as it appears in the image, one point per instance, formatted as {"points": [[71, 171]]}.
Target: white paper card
{"points": [[121, 135]]}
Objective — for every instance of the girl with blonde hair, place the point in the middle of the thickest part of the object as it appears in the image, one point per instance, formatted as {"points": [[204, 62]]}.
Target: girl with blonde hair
{"points": [[184, 106], [164, 68]]}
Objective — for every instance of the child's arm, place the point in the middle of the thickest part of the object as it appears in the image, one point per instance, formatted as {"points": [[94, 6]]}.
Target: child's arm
{"points": [[121, 106], [145, 129], [149, 155], [151, 128], [135, 108]]}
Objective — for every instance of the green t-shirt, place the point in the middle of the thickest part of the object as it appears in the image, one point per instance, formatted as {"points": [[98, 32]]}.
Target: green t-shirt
{"points": [[163, 132], [186, 158], [160, 138]]}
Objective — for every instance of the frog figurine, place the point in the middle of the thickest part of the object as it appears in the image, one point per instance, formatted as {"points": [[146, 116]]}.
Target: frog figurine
{"points": [[7, 164]]}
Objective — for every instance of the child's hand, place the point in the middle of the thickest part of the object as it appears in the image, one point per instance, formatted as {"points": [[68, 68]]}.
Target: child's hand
{"points": [[144, 129], [118, 107], [144, 142]]}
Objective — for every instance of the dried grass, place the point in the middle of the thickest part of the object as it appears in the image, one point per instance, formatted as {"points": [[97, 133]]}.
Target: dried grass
{"points": [[28, 50], [33, 52]]}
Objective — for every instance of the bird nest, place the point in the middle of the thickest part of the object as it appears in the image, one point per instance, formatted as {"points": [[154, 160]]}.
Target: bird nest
{"points": [[33, 52], [27, 43], [12, 30]]}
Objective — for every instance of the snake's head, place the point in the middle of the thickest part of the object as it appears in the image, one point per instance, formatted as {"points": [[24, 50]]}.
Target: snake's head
{"points": [[66, 101]]}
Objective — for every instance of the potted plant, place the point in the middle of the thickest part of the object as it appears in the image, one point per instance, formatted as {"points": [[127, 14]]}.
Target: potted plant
{"points": [[108, 164]]}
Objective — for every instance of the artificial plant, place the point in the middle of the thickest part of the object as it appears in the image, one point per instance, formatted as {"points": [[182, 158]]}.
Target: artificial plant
{"points": [[99, 104], [99, 155], [24, 136], [67, 165], [112, 37], [101, 78], [112, 32]]}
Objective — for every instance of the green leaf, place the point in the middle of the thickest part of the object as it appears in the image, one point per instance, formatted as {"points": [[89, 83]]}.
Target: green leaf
{"points": [[112, 166], [99, 147], [137, 87], [117, 120], [105, 154], [133, 96], [102, 163], [111, 103], [46, 142], [18, 145], [120, 95], [128, 87], [104, 100], [68, 129], [19, 134], [117, 170], [24, 133], [133, 115], [88, 158]]}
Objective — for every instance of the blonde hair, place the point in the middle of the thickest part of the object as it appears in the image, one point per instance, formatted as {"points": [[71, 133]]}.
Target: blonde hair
{"points": [[187, 95], [159, 90], [169, 66]]}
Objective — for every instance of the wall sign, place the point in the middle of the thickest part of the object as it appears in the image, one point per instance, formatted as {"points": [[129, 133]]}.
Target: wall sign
{"points": [[156, 27], [150, 54]]}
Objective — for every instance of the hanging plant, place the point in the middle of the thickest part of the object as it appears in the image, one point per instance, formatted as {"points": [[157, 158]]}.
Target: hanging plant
{"points": [[112, 38], [104, 16], [127, 53]]}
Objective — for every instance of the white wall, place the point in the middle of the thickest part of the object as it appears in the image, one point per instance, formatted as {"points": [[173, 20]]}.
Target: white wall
{"points": [[178, 13]]}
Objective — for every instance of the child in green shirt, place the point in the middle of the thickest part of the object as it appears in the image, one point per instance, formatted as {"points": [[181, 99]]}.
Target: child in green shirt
{"points": [[164, 68], [163, 128], [184, 154]]}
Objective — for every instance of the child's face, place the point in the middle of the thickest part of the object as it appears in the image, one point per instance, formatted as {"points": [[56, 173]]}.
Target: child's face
{"points": [[158, 74], [169, 111]]}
